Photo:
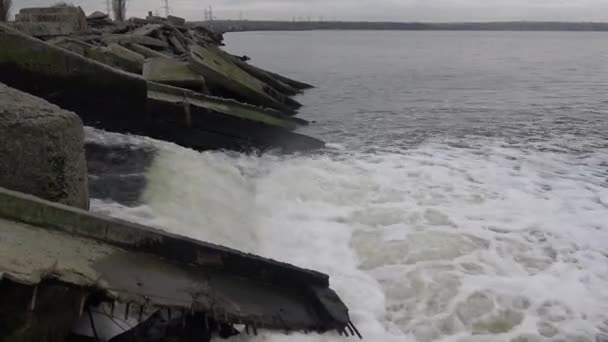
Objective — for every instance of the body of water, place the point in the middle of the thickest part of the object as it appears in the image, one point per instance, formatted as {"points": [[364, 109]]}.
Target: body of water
{"points": [[463, 195]]}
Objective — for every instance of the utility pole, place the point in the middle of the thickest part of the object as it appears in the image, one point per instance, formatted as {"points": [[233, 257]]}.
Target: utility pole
{"points": [[109, 6]]}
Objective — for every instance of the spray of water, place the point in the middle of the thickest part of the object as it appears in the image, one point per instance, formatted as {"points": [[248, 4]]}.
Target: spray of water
{"points": [[436, 243]]}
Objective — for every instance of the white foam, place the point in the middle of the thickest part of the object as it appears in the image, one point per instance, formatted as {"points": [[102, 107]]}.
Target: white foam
{"points": [[435, 243]]}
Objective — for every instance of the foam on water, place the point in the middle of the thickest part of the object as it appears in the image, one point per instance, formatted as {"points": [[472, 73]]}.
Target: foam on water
{"points": [[445, 243]]}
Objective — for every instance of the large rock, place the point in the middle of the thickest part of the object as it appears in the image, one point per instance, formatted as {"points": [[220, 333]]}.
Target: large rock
{"points": [[51, 21], [41, 149]]}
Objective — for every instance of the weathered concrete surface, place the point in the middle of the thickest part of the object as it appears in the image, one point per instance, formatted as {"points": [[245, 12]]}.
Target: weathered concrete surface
{"points": [[116, 56], [127, 54], [71, 44], [249, 127], [146, 51], [96, 91], [221, 72], [41, 149], [93, 90], [177, 21], [226, 106], [172, 72], [134, 39], [266, 77], [145, 267], [51, 21]]}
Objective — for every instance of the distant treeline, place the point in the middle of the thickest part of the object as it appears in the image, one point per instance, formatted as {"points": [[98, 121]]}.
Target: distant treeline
{"points": [[245, 25]]}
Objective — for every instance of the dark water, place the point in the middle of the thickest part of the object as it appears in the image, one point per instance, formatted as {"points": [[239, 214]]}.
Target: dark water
{"points": [[386, 89]]}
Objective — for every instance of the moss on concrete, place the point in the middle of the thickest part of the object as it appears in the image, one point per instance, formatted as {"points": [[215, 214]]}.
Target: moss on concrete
{"points": [[223, 72]]}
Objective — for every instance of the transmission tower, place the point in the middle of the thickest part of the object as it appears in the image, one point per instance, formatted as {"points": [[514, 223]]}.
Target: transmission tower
{"points": [[109, 6], [166, 7], [209, 14]]}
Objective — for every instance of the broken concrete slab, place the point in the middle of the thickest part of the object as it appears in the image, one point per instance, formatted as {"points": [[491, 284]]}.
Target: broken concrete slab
{"points": [[147, 29], [223, 74], [93, 90], [291, 82], [117, 56], [266, 77], [126, 53], [73, 15], [146, 268], [177, 45], [97, 93], [177, 21], [134, 39], [146, 52], [226, 106], [45, 30], [71, 44], [172, 72], [250, 127], [51, 21]]}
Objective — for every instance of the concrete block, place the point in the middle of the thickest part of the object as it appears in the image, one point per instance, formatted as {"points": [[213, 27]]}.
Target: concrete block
{"points": [[41, 149]]}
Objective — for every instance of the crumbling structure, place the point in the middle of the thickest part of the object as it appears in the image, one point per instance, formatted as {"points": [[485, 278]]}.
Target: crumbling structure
{"points": [[155, 77], [70, 275]]}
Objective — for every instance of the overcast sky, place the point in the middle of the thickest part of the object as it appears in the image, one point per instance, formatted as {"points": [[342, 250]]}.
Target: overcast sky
{"points": [[389, 10]]}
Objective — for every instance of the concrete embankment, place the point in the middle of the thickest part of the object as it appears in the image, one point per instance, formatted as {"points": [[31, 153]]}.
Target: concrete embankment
{"points": [[58, 263], [112, 75], [62, 268]]}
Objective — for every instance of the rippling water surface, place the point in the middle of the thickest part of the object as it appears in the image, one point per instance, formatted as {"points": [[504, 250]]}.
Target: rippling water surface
{"points": [[463, 196]]}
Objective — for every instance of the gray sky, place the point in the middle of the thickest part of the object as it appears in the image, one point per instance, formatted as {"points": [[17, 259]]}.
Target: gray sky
{"points": [[390, 10]]}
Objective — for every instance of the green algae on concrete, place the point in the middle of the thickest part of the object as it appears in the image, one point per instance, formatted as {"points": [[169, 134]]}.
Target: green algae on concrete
{"points": [[172, 72], [117, 56], [224, 73]]}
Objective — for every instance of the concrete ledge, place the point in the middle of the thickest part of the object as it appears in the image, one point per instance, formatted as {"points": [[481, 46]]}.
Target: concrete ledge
{"points": [[38, 212]]}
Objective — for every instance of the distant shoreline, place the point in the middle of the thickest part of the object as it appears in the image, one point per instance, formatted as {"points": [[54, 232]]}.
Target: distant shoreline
{"points": [[255, 25]]}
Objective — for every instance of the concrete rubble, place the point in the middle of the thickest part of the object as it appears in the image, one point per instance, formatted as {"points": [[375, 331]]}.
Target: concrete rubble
{"points": [[166, 285], [69, 275], [112, 75]]}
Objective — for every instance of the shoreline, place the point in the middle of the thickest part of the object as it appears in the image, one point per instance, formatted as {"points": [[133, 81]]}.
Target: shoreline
{"points": [[225, 26]]}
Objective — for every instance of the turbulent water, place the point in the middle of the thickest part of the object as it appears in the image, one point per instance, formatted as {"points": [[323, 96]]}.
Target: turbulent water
{"points": [[463, 196]]}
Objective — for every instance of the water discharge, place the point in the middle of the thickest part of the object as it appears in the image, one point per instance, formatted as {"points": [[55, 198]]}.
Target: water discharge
{"points": [[464, 196], [432, 243]]}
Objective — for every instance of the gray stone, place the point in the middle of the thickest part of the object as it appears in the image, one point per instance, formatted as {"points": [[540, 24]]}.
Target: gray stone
{"points": [[51, 21], [41, 149]]}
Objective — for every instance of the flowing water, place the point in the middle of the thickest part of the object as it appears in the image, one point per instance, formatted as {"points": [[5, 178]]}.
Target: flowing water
{"points": [[463, 195]]}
